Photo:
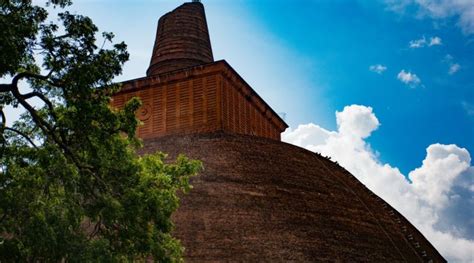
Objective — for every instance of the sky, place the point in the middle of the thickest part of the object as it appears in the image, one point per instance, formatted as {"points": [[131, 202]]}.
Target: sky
{"points": [[385, 87], [308, 59]]}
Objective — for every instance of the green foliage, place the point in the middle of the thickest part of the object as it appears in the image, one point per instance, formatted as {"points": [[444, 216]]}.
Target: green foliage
{"points": [[72, 186]]}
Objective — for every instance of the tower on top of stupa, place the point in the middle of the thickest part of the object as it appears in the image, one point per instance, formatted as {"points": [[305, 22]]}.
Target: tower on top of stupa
{"points": [[186, 91], [182, 40]]}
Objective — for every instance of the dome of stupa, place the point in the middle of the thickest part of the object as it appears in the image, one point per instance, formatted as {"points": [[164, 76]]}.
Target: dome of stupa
{"points": [[257, 199]]}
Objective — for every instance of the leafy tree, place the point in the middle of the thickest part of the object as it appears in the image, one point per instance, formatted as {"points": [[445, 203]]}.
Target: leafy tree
{"points": [[72, 186]]}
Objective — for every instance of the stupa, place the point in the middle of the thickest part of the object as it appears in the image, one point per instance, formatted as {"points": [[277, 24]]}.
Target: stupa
{"points": [[258, 199]]}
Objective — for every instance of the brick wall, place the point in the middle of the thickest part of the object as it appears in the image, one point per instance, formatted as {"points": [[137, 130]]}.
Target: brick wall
{"points": [[264, 200], [243, 115], [201, 99], [187, 106]]}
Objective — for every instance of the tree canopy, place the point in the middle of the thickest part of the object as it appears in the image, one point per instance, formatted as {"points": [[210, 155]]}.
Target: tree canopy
{"points": [[72, 186]]}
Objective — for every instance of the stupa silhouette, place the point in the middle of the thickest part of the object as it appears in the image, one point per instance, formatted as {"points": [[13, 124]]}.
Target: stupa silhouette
{"points": [[258, 199]]}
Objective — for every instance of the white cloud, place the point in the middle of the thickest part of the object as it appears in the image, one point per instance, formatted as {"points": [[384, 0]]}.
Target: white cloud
{"points": [[462, 10], [378, 68], [418, 43], [408, 78], [434, 179], [423, 42], [356, 120], [435, 41], [453, 68], [440, 192]]}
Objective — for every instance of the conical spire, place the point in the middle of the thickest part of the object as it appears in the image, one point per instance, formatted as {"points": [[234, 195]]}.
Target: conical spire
{"points": [[182, 40]]}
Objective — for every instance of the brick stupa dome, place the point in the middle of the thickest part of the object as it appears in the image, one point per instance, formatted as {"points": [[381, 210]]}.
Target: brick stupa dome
{"points": [[258, 199], [262, 200]]}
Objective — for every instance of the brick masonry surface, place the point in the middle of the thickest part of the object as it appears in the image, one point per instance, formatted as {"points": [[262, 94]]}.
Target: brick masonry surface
{"points": [[182, 40], [200, 99], [263, 200]]}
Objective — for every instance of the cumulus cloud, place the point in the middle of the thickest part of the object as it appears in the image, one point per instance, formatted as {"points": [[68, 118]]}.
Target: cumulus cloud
{"points": [[434, 179], [378, 68], [408, 78], [462, 10], [356, 120], [437, 197], [423, 42]]}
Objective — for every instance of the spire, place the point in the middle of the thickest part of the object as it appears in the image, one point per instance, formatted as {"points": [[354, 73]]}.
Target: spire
{"points": [[182, 40]]}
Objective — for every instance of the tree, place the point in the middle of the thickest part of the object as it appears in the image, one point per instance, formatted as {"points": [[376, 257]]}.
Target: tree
{"points": [[72, 186]]}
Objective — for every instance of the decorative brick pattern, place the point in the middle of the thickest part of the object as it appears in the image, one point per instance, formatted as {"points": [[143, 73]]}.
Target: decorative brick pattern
{"points": [[211, 97]]}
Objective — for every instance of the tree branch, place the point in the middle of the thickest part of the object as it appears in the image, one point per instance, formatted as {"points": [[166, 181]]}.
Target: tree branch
{"points": [[5, 87], [1, 220], [2, 128], [22, 135], [5, 128], [42, 124], [49, 131], [4, 118], [62, 36], [23, 75], [96, 229], [43, 98], [30, 75]]}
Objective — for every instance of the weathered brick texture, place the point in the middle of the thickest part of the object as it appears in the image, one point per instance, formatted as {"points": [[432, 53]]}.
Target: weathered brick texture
{"points": [[205, 98], [264, 200], [182, 40]]}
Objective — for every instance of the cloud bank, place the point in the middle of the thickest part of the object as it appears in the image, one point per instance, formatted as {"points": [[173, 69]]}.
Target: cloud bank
{"points": [[436, 197], [461, 10]]}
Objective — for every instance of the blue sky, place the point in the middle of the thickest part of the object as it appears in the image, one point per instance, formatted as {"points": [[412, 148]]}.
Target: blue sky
{"points": [[385, 87], [345, 37], [322, 51]]}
